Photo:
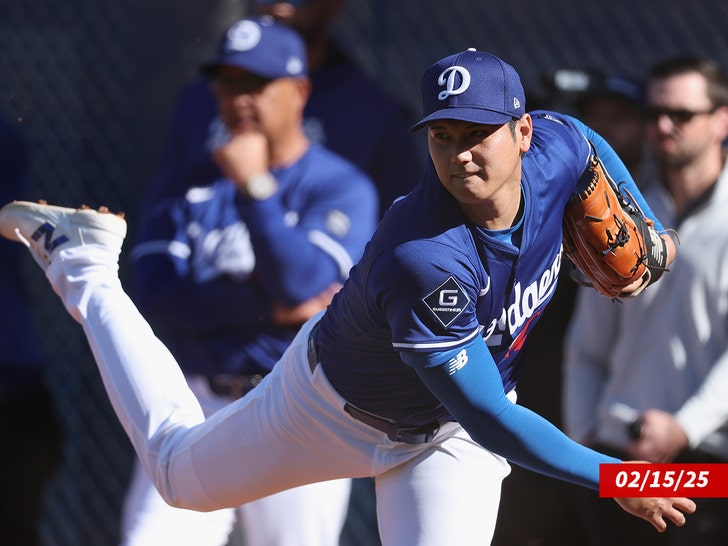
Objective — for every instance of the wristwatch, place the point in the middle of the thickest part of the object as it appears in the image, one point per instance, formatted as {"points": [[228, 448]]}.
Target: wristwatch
{"points": [[261, 186]]}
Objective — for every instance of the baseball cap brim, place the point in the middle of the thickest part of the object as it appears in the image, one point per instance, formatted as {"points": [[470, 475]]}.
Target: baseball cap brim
{"points": [[460, 113], [254, 68]]}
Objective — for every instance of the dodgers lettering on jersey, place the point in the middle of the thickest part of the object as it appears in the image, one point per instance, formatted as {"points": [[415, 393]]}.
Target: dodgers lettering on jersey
{"points": [[526, 307], [430, 281]]}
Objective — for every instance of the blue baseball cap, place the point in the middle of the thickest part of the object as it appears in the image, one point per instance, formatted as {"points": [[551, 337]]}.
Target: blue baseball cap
{"points": [[471, 86], [618, 85], [262, 46], [581, 85]]}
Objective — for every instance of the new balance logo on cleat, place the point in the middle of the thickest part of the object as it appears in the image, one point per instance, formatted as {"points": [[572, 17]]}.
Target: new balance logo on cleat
{"points": [[46, 231]]}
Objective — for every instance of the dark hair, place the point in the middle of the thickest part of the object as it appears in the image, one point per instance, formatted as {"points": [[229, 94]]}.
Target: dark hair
{"points": [[708, 68]]}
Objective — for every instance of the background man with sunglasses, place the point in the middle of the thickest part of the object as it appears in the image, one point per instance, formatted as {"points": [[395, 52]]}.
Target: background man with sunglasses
{"points": [[657, 390]]}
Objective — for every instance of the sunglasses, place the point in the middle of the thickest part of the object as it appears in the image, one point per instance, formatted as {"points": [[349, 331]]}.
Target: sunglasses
{"points": [[677, 116]]}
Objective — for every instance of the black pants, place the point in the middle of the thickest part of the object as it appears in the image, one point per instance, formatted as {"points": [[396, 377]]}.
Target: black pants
{"points": [[29, 455], [606, 524]]}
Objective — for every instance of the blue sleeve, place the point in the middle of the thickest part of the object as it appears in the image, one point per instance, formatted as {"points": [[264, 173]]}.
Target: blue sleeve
{"points": [[617, 170], [167, 293], [297, 262], [469, 385]]}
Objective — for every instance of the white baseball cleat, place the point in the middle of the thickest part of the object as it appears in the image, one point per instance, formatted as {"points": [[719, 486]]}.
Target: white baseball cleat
{"points": [[46, 229]]}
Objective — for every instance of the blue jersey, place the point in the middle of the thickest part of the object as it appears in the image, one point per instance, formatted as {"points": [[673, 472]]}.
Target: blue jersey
{"points": [[209, 265], [430, 282], [346, 112]]}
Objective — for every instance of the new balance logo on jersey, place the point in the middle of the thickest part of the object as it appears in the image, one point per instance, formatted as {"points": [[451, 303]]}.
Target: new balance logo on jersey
{"points": [[454, 364], [46, 231]]}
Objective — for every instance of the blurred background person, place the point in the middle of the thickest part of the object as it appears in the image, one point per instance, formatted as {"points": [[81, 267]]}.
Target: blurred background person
{"points": [[658, 389], [613, 104], [228, 272], [348, 112], [32, 444]]}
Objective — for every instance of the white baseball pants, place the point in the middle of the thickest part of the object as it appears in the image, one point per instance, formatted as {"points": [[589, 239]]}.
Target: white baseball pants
{"points": [[289, 431], [310, 515]]}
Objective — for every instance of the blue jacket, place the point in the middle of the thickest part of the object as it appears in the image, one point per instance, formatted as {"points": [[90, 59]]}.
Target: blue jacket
{"points": [[209, 265]]}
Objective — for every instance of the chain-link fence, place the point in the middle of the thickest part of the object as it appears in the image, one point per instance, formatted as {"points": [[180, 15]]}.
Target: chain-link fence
{"points": [[90, 84]]}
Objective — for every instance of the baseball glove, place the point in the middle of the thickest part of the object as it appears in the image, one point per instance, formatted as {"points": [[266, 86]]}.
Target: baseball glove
{"points": [[608, 238]]}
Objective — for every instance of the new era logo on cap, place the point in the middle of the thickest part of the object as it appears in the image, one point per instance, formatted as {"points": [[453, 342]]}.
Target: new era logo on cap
{"points": [[471, 86]]}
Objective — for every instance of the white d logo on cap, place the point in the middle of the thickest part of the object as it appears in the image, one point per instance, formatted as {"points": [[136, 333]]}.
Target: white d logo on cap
{"points": [[243, 35], [447, 78]]}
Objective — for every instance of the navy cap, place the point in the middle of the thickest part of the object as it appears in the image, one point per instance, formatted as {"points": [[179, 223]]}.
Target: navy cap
{"points": [[471, 86], [262, 46], [584, 84], [621, 85]]}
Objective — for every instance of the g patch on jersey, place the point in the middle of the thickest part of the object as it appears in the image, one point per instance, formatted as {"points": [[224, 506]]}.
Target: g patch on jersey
{"points": [[447, 301]]}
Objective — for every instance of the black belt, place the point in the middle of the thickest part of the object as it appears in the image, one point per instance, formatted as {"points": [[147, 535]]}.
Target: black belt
{"points": [[397, 432], [233, 386]]}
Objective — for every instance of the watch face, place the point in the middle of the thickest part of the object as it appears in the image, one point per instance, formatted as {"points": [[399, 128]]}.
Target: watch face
{"points": [[262, 186]]}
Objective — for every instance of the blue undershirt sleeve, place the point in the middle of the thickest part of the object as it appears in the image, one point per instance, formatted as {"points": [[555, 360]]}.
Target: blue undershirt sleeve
{"points": [[467, 382]]}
